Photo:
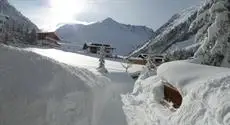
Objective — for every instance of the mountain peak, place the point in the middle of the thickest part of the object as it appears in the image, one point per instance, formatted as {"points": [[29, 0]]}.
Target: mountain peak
{"points": [[109, 20]]}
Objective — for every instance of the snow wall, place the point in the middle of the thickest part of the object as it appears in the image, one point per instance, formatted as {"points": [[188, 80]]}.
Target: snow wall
{"points": [[205, 92], [35, 90]]}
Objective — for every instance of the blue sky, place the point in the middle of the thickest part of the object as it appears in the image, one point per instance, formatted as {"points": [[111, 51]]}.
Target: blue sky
{"points": [[152, 13]]}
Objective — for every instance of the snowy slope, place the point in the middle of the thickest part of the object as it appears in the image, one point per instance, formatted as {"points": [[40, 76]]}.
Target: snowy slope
{"points": [[124, 38], [14, 14], [17, 28], [35, 90], [205, 92], [206, 28], [214, 33], [175, 31]]}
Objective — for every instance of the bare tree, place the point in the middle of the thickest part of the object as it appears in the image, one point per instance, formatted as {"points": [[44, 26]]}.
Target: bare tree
{"points": [[126, 64], [150, 60]]}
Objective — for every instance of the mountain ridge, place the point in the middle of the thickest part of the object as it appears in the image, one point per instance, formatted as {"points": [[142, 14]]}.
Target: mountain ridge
{"points": [[9, 10], [203, 35], [124, 37]]}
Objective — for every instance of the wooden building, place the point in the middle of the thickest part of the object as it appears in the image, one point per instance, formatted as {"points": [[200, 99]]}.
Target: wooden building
{"points": [[142, 59], [48, 39], [137, 60], [95, 48]]}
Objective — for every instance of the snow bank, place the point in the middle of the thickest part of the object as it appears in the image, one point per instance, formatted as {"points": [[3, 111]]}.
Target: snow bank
{"points": [[205, 92], [35, 90]]}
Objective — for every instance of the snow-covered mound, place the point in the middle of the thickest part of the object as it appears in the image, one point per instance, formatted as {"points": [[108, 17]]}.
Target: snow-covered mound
{"points": [[206, 28], [205, 92], [35, 90], [125, 38]]}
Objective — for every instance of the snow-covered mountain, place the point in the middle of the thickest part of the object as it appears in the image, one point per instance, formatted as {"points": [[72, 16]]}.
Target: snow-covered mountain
{"points": [[175, 31], [205, 27], [7, 9], [124, 38], [17, 28]]}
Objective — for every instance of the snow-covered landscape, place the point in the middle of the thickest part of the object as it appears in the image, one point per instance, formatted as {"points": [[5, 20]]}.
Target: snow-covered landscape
{"points": [[108, 31], [38, 90], [110, 73], [205, 92]]}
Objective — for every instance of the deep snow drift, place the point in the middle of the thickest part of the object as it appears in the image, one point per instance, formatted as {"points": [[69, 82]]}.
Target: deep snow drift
{"points": [[35, 90], [205, 91]]}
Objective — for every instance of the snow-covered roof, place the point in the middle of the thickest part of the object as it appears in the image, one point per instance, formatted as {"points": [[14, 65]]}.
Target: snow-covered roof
{"points": [[99, 45], [184, 75], [205, 92]]}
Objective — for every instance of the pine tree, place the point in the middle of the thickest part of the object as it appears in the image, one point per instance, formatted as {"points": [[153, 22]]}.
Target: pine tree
{"points": [[85, 46], [33, 36], [101, 67]]}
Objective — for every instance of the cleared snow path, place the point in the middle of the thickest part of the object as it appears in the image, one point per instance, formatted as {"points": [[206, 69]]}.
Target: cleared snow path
{"points": [[79, 60], [35, 90]]}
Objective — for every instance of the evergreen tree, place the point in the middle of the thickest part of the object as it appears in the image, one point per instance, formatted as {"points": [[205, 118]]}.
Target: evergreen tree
{"points": [[85, 46], [33, 36], [101, 67]]}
